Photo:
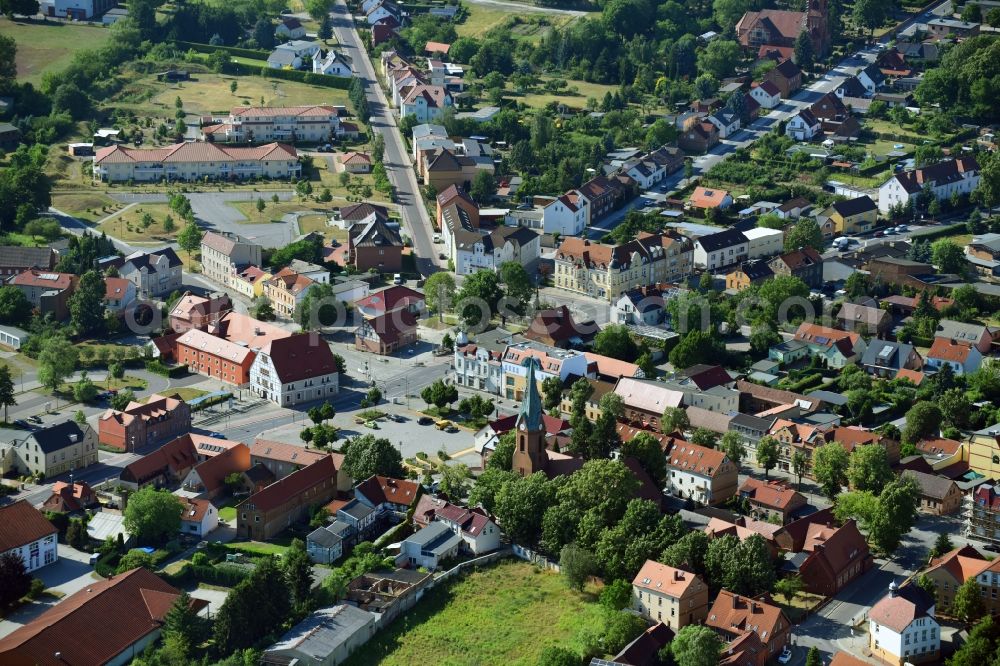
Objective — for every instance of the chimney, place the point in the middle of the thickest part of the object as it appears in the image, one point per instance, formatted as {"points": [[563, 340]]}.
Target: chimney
{"points": [[678, 574], [736, 601], [892, 589]]}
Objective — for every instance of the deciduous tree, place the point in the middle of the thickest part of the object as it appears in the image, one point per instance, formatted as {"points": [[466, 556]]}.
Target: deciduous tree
{"points": [[696, 645], [830, 463], [868, 468], [152, 516], [767, 454]]}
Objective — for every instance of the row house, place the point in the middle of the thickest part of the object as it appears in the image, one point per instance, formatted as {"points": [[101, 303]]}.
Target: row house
{"points": [[701, 474], [550, 362], [159, 419], [281, 459], [836, 556], [606, 194], [721, 249], [567, 215], [954, 176], [771, 500], [192, 311], [672, 596], [225, 255], [264, 124], [272, 510], [650, 169], [190, 161], [607, 272], [166, 466], [479, 363], [763, 242], [15, 259]]}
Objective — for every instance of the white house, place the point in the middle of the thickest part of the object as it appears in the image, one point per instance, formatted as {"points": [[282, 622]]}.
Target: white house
{"points": [[153, 273], [803, 126], [290, 28], [567, 215], [944, 178], [292, 55], [199, 517], [428, 547], [727, 122], [324, 545], [118, 294], [872, 78], [78, 10], [27, 533], [478, 533], [963, 358], [702, 474], [763, 242], [332, 64], [766, 94], [296, 369], [472, 251], [643, 306], [553, 362], [382, 10], [724, 248], [428, 103], [902, 627], [478, 362]]}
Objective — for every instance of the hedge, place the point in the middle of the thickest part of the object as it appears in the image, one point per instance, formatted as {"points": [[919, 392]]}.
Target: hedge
{"points": [[156, 366], [208, 402], [942, 232], [219, 574], [253, 54], [323, 80]]}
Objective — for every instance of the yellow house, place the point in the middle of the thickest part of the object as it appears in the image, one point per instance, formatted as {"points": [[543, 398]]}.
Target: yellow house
{"points": [[984, 452], [748, 273], [250, 282], [850, 217]]}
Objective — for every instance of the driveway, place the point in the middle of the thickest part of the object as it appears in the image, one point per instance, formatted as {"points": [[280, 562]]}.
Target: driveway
{"points": [[68, 575]]}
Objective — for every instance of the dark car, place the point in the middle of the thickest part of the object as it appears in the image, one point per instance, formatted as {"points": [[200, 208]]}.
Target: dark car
{"points": [[879, 234], [21, 423], [425, 420]]}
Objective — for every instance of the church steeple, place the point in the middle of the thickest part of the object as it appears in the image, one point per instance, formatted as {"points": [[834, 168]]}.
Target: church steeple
{"points": [[529, 450]]}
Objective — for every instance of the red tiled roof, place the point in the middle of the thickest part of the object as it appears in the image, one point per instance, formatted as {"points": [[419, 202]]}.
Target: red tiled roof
{"points": [[300, 356], [470, 521], [733, 614], [704, 197], [949, 350], [392, 298], [391, 326], [961, 563], [115, 288], [914, 376], [194, 509], [772, 494], [839, 546], [384, 489], [195, 152], [292, 485], [175, 455], [214, 470], [283, 452], [96, 624], [696, 459], [662, 579], [20, 524], [938, 445], [44, 279], [553, 324]]}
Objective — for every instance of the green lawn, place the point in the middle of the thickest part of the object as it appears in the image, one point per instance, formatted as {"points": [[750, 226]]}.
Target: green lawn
{"points": [[503, 614], [49, 47], [258, 547], [86, 206], [227, 513], [186, 393], [128, 225]]}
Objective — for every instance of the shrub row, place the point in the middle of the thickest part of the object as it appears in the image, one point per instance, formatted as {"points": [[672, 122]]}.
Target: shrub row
{"points": [[255, 54], [156, 366], [219, 574], [940, 232]]}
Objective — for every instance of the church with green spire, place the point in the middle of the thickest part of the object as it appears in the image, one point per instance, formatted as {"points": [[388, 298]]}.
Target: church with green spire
{"points": [[529, 448]]}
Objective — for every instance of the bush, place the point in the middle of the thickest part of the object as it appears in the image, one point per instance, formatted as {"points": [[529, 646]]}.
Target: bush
{"points": [[942, 232], [37, 587]]}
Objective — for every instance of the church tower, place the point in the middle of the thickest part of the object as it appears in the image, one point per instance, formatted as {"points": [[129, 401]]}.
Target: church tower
{"points": [[529, 441], [818, 25]]}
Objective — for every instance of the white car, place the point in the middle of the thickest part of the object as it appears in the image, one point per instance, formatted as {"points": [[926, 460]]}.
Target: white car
{"points": [[785, 656]]}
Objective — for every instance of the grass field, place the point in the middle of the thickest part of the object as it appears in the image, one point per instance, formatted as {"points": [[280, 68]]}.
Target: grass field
{"points": [[127, 225], [273, 212], [577, 100], [49, 47], [186, 393], [505, 614], [532, 26], [86, 206], [318, 223]]}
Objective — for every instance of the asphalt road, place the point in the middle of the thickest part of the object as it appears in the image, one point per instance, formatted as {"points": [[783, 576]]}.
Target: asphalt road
{"points": [[396, 160]]}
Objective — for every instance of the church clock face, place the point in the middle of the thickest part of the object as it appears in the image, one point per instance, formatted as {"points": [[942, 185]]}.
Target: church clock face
{"points": [[523, 427]]}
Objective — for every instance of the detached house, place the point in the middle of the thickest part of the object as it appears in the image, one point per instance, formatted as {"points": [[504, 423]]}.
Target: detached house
{"points": [[699, 138], [864, 319], [854, 216], [223, 255], [902, 627], [721, 249], [835, 347], [48, 293], [375, 245], [938, 496], [787, 77], [568, 215], [836, 556], [963, 358], [727, 122], [290, 28], [295, 369], [672, 596], [771, 500], [805, 263], [119, 293], [945, 178], [26, 532], [52, 450], [803, 126], [767, 94], [154, 273], [886, 359]]}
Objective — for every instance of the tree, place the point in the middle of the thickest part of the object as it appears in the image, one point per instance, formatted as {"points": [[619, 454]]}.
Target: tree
{"points": [[979, 648], [922, 420], [439, 394], [641, 534], [732, 445], [478, 298], [325, 30], [620, 629], [696, 645], [558, 656], [948, 256], [317, 8], [804, 50], [576, 565], [152, 516], [19, 7], [183, 624], [120, 400], [704, 437], [517, 283], [8, 59], [7, 397], [813, 658], [521, 505], [767, 453], [14, 579], [253, 608], [789, 587], [86, 305], [800, 465], [189, 239], [645, 448], [993, 17], [870, 14], [830, 463], [968, 605], [262, 309], [719, 58], [439, 291], [697, 347], [484, 187], [805, 233], [688, 553], [455, 481], [15, 308], [503, 453], [84, 390], [366, 455], [56, 362], [972, 13], [743, 567], [886, 517], [135, 559], [551, 392], [727, 12], [263, 33], [616, 596], [298, 572], [942, 545], [616, 341], [868, 468], [675, 419]]}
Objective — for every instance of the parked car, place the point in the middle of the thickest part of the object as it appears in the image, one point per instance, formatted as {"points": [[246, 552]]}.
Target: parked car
{"points": [[425, 420], [397, 278], [785, 656], [217, 435], [879, 234]]}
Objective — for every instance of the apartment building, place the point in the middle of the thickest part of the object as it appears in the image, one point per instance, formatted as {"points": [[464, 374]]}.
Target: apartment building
{"points": [[59, 448], [263, 124], [672, 596], [699, 473], [191, 161], [159, 419], [608, 271], [954, 176], [295, 369], [286, 501], [224, 255], [552, 362]]}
